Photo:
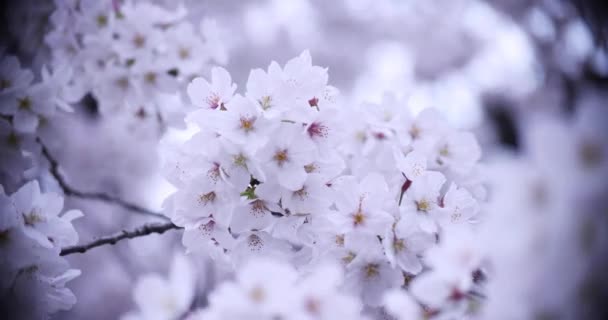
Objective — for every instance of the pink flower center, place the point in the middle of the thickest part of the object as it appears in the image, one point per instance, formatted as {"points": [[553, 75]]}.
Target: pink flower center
{"points": [[317, 129], [281, 157], [246, 124], [213, 101]]}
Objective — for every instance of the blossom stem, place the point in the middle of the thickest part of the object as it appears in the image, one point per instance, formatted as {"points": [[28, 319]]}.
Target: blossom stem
{"points": [[112, 239], [100, 196], [406, 185]]}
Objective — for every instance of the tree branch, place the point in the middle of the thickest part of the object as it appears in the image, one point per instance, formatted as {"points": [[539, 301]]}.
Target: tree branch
{"points": [[100, 196], [141, 231]]}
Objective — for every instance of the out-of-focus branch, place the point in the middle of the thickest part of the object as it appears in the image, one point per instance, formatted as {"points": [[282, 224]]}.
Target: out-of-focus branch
{"points": [[112, 239], [595, 13], [99, 196]]}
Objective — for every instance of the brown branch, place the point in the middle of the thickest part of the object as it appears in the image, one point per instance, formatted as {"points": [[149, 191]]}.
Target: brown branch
{"points": [[141, 231], [99, 196]]}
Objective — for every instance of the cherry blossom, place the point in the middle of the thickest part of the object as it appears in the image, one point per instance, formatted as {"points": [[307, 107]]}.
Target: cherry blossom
{"points": [[214, 95], [267, 289], [160, 298], [33, 233], [278, 181]]}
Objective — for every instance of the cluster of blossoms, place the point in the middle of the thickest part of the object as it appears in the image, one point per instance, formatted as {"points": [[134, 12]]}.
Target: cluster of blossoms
{"points": [[159, 298], [451, 288], [132, 55], [267, 289], [316, 209], [262, 289], [32, 232], [287, 173], [552, 267], [26, 107], [32, 228]]}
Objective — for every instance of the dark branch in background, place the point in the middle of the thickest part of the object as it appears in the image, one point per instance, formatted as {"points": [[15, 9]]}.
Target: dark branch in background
{"points": [[595, 14], [500, 114], [90, 106], [124, 234], [99, 196]]}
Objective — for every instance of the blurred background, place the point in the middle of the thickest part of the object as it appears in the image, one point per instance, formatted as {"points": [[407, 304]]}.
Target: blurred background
{"points": [[490, 66]]}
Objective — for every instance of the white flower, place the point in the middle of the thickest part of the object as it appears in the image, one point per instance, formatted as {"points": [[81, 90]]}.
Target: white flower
{"points": [[270, 289], [459, 206], [160, 298], [370, 275], [33, 273], [203, 198], [237, 164], [413, 165], [28, 107], [12, 77], [259, 244], [400, 305], [136, 37], [214, 95], [391, 116], [208, 238], [362, 206], [284, 157], [313, 197], [242, 123], [15, 245], [186, 51], [319, 298], [40, 216], [299, 179], [14, 160], [291, 93], [264, 88], [325, 130], [96, 16], [64, 91], [358, 139], [115, 88], [458, 151], [260, 291], [152, 77], [422, 200], [453, 263], [302, 81], [405, 244], [328, 167], [43, 294], [436, 291], [153, 14], [254, 214], [288, 228], [426, 129], [179, 167]]}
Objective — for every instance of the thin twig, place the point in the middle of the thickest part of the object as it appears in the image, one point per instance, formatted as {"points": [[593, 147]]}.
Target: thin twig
{"points": [[100, 196], [141, 231], [162, 125]]}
